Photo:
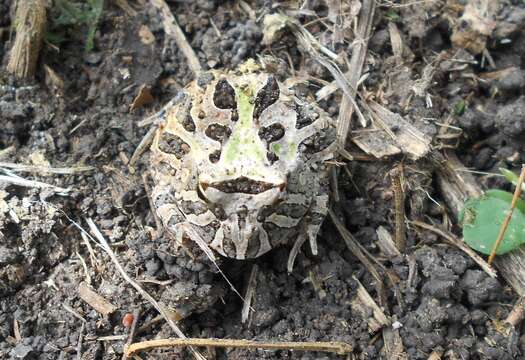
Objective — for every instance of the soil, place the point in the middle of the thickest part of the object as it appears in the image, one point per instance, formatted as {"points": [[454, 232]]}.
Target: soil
{"points": [[441, 301]]}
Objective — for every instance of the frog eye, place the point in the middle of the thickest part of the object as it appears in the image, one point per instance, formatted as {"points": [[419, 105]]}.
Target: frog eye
{"points": [[224, 95], [271, 132], [268, 95], [218, 132]]}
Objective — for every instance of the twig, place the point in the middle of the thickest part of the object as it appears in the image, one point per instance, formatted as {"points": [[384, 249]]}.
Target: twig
{"points": [[144, 143], [32, 184], [460, 244], [43, 170], [73, 312], [158, 223], [368, 301], [399, 200], [171, 27], [505, 224], [80, 340], [96, 301], [332, 347], [104, 244], [132, 330]]}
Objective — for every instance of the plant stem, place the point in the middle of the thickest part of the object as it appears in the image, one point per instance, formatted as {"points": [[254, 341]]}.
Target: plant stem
{"points": [[506, 222]]}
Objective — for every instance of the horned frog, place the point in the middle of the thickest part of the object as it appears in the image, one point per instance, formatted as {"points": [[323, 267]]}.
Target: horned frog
{"points": [[239, 164]]}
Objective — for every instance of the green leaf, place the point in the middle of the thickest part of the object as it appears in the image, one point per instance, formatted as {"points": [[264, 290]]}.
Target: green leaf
{"points": [[94, 16], [392, 15], [459, 108], [481, 219]]}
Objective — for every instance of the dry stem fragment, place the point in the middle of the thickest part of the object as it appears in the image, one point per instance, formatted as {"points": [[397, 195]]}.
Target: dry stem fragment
{"points": [[96, 301], [333, 347], [506, 222], [30, 24], [355, 69], [399, 199]]}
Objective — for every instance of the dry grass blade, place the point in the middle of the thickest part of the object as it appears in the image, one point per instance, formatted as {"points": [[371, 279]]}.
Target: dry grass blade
{"points": [[399, 200], [172, 28], [250, 293], [358, 251], [15, 180], [104, 244], [517, 314], [359, 50], [142, 147], [332, 347], [505, 224], [30, 22], [96, 301], [324, 56], [44, 170]]}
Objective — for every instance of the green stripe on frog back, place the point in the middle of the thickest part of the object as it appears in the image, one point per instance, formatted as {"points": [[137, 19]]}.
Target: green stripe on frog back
{"points": [[244, 141]]}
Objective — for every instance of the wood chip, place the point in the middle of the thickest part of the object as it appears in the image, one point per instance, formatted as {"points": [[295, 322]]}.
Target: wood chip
{"points": [[363, 303], [30, 24], [53, 80], [402, 52], [376, 143], [97, 302], [393, 344], [407, 137], [386, 243]]}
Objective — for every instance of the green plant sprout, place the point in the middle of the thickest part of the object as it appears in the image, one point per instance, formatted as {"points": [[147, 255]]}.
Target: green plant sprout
{"points": [[481, 219], [74, 14]]}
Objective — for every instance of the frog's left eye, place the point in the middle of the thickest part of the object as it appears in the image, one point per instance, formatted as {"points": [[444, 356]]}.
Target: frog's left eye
{"points": [[268, 95], [224, 95]]}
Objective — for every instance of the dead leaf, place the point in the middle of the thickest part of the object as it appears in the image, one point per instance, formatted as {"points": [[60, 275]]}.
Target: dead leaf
{"points": [[475, 26], [143, 97], [53, 81]]}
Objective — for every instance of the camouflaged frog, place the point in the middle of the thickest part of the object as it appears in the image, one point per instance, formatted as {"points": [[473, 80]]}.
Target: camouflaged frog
{"points": [[239, 164]]}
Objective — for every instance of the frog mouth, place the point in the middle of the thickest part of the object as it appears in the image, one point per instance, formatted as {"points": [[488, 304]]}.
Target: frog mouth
{"points": [[242, 185]]}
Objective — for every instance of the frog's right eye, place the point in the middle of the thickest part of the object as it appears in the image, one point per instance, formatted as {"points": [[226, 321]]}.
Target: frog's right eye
{"points": [[272, 132], [218, 132], [268, 95]]}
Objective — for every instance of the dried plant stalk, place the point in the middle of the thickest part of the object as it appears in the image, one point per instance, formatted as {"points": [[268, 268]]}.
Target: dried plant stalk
{"points": [[30, 24]]}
